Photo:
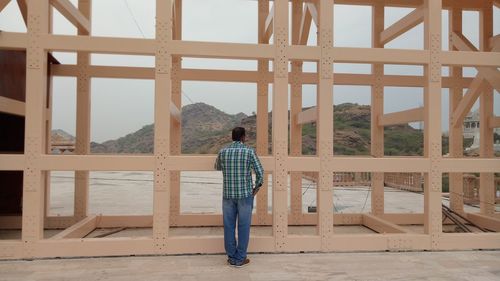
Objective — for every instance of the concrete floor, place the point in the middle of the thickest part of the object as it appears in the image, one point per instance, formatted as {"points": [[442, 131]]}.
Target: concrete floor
{"points": [[436, 266], [116, 192], [131, 193]]}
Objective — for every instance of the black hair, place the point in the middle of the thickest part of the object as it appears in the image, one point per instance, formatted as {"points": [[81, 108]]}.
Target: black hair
{"points": [[238, 133]]}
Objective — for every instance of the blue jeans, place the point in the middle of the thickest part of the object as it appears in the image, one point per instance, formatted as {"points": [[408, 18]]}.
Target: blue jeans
{"points": [[240, 209]]}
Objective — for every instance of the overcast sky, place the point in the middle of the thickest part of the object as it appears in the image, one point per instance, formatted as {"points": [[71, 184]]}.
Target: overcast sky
{"points": [[122, 106]]}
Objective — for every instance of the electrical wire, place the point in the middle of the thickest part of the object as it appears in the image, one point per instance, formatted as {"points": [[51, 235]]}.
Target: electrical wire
{"points": [[366, 199], [134, 19], [307, 188]]}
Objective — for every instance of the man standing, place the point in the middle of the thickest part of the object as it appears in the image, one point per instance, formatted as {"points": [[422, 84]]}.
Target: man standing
{"points": [[236, 162]]}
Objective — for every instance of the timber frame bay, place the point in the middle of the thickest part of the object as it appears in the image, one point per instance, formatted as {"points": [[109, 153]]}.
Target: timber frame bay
{"points": [[36, 162]]}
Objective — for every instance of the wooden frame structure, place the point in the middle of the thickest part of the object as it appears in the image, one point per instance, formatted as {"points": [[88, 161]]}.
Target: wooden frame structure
{"points": [[167, 161]]}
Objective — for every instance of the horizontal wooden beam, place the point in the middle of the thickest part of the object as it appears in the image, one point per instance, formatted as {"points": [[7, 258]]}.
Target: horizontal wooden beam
{"points": [[371, 164], [304, 53], [303, 164], [67, 43], [13, 40], [125, 221], [72, 14], [466, 103], [78, 230], [11, 106], [380, 242], [307, 116], [12, 162], [461, 165], [461, 58], [15, 162], [222, 50], [268, 26], [246, 76], [403, 218], [110, 45], [494, 122], [175, 113], [132, 163], [381, 226], [484, 221], [206, 163], [389, 56], [402, 117], [462, 241], [92, 247], [97, 163], [403, 25], [104, 71], [12, 249], [222, 75]]}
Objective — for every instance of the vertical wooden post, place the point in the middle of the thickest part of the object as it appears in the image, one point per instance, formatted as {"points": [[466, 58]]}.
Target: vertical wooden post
{"points": [[161, 204], [377, 110], [36, 92], [432, 134], [455, 135], [280, 124], [48, 129], [262, 116], [325, 125], [175, 126], [83, 108], [295, 109], [487, 180]]}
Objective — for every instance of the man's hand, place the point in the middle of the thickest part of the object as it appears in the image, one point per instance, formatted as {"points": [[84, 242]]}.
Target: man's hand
{"points": [[256, 189]]}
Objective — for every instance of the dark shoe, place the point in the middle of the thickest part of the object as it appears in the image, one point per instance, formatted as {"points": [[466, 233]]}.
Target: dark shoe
{"points": [[230, 262], [243, 263]]}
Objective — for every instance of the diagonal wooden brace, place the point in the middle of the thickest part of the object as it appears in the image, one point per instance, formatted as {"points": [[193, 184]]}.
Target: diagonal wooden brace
{"points": [[490, 74]]}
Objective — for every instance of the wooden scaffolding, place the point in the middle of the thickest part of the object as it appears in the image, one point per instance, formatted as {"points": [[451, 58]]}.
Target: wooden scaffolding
{"points": [[286, 159]]}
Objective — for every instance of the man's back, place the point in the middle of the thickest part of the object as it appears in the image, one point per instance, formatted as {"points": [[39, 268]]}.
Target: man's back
{"points": [[236, 162]]}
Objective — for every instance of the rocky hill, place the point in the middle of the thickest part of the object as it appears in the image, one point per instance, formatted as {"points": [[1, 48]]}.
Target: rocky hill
{"points": [[202, 127], [205, 129], [61, 136]]}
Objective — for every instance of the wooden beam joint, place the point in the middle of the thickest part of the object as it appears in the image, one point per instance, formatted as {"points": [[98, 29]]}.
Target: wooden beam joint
{"points": [[78, 230], [403, 25], [70, 12]]}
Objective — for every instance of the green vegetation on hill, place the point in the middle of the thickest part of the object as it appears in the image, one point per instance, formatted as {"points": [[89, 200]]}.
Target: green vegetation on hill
{"points": [[205, 129], [352, 134]]}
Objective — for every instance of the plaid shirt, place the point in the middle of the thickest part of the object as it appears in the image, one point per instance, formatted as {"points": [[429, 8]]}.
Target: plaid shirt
{"points": [[236, 161]]}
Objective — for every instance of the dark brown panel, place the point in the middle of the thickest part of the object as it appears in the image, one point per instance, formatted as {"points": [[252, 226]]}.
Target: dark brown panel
{"points": [[10, 192], [13, 74], [11, 133]]}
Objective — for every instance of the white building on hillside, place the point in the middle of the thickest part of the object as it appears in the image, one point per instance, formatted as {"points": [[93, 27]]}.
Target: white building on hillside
{"points": [[471, 129]]}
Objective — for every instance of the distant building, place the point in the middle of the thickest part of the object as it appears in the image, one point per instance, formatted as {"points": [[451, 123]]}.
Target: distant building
{"points": [[472, 126], [471, 130]]}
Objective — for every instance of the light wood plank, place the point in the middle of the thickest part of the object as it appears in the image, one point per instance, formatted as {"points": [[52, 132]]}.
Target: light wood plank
{"points": [[78, 230], [381, 226], [403, 25], [307, 116], [402, 117]]}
